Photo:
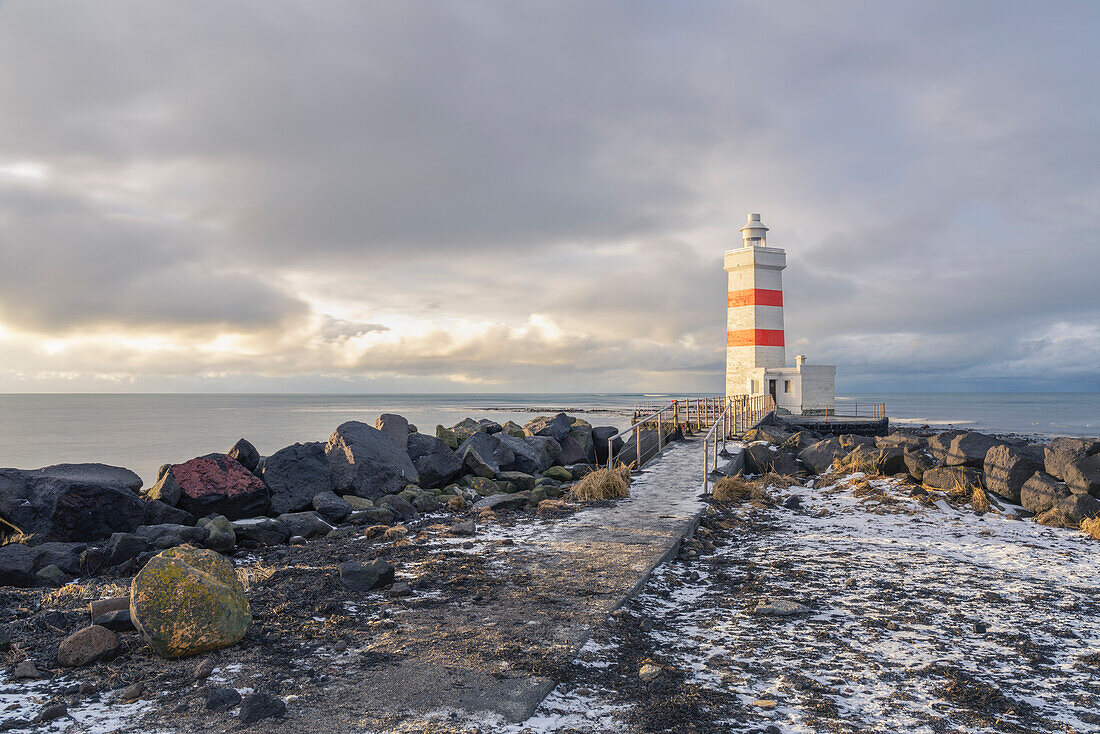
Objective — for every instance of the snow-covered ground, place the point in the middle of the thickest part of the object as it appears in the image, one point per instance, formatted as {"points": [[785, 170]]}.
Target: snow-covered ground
{"points": [[921, 620]]}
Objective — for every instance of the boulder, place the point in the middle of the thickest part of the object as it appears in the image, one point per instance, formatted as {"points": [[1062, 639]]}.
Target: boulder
{"points": [[212, 484], [169, 536], [447, 436], [547, 450], [490, 427], [521, 480], [222, 698], [1042, 492], [367, 463], [1082, 475], [65, 556], [820, 456], [880, 461], [905, 441], [295, 475], [559, 473], [525, 458], [578, 471], [56, 504], [259, 706], [556, 427], [394, 426], [17, 564], [917, 463], [116, 621], [849, 441], [245, 454], [517, 501], [1080, 505], [759, 458], [512, 429], [571, 452], [799, 441], [969, 449], [372, 516], [51, 575], [220, 535], [767, 434], [950, 477], [260, 530], [485, 455], [1061, 452], [161, 513], [466, 428], [435, 462], [331, 508], [358, 503], [481, 485], [581, 432], [734, 466], [600, 437], [400, 506], [123, 547], [939, 445], [305, 524], [785, 464], [89, 645], [1007, 468], [187, 601], [359, 576], [93, 473]]}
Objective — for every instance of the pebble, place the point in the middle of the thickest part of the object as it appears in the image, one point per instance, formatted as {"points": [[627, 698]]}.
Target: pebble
{"points": [[219, 698], [112, 604], [26, 670], [463, 528], [297, 540], [89, 645], [399, 589], [259, 706], [779, 608], [5, 640], [87, 689], [51, 712], [131, 693], [764, 703], [892, 626], [203, 669], [980, 627], [649, 672]]}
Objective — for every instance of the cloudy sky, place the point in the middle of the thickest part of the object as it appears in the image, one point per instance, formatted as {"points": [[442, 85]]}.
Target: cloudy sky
{"points": [[505, 196]]}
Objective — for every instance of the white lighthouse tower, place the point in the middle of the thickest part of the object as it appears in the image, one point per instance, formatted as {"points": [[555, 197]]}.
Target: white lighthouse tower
{"points": [[756, 358]]}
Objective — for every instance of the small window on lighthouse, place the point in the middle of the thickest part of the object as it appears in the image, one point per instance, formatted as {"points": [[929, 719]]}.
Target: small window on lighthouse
{"points": [[786, 385]]}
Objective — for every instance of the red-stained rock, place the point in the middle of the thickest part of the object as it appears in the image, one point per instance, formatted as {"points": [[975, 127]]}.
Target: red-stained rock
{"points": [[214, 483]]}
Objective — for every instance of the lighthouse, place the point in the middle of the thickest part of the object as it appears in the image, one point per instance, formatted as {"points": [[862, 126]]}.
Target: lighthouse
{"points": [[756, 355]]}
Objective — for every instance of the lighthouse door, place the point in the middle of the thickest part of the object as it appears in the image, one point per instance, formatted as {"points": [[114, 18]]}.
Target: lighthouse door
{"points": [[772, 390]]}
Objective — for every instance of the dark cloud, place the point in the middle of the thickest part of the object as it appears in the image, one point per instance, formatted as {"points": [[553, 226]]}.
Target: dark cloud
{"points": [[930, 168]]}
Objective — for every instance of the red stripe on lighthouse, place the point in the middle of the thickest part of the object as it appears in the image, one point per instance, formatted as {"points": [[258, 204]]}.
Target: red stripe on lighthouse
{"points": [[755, 297], [754, 338]]}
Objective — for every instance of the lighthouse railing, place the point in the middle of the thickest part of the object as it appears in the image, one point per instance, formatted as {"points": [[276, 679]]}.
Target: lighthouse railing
{"points": [[741, 414]]}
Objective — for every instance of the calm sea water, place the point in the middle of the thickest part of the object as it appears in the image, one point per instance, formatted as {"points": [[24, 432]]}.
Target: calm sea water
{"points": [[142, 432]]}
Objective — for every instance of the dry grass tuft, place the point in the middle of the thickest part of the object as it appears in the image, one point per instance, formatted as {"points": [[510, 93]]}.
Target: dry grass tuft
{"points": [[553, 506], [858, 461], [732, 489], [602, 484], [375, 531], [1056, 517], [456, 503], [397, 532], [69, 592], [254, 574], [10, 533], [979, 500], [1090, 526], [779, 481], [624, 471]]}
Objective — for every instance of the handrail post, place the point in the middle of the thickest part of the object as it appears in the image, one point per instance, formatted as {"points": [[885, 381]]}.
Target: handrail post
{"points": [[638, 446], [659, 430]]}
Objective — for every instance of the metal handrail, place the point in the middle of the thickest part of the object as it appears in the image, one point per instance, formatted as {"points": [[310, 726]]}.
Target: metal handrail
{"points": [[673, 406], [739, 413]]}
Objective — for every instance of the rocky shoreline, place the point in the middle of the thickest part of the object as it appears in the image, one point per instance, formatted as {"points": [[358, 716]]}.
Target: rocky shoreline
{"points": [[327, 542], [1057, 483], [88, 561]]}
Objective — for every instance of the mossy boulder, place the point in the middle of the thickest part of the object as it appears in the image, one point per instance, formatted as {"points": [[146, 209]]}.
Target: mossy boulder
{"points": [[188, 601], [559, 473], [512, 429], [447, 436], [481, 485]]}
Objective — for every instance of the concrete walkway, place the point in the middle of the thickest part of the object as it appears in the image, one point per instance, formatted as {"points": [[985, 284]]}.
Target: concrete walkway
{"points": [[493, 656]]}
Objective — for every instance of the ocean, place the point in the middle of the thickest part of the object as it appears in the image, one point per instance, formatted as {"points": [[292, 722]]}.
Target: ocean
{"points": [[141, 432]]}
